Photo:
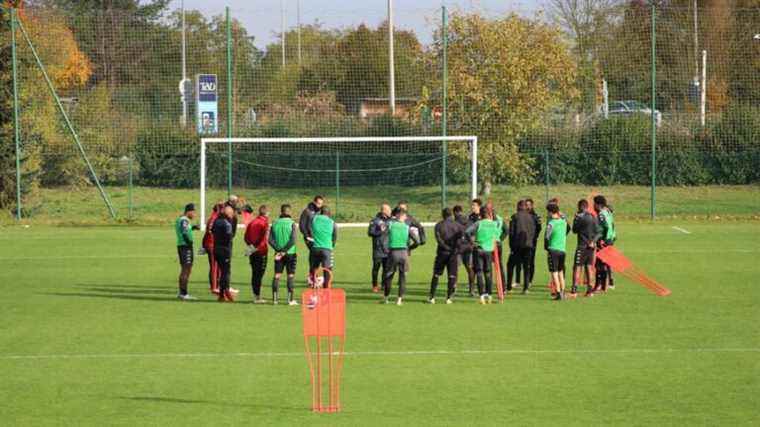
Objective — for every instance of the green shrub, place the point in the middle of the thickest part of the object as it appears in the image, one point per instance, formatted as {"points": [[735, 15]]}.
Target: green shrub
{"points": [[168, 156]]}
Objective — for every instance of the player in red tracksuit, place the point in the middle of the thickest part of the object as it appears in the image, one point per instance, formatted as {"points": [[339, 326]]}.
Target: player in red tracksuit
{"points": [[208, 246], [256, 236]]}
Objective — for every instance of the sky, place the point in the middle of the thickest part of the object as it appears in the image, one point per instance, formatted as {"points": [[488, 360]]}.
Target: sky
{"points": [[262, 17]]}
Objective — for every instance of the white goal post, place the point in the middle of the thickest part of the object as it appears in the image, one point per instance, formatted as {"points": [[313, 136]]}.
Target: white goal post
{"points": [[206, 142]]}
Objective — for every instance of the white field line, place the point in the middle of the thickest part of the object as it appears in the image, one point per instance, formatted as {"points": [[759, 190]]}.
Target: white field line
{"points": [[358, 224], [375, 353], [684, 231], [174, 256]]}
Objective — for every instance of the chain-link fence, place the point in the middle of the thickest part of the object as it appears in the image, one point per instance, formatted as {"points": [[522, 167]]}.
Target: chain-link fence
{"points": [[656, 106]]}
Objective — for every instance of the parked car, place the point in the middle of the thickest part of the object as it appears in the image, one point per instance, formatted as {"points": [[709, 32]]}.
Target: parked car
{"points": [[634, 107]]}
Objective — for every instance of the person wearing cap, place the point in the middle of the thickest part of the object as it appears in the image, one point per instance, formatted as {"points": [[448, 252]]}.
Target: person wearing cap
{"points": [[184, 231]]}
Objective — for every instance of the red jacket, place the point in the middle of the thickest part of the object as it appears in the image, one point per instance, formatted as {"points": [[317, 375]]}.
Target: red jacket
{"points": [[208, 237], [257, 233]]}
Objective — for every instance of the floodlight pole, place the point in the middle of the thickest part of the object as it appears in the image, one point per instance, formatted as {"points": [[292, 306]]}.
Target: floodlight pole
{"points": [[282, 29], [391, 63], [654, 109], [229, 102], [16, 129], [703, 90], [445, 78], [184, 67], [298, 23]]}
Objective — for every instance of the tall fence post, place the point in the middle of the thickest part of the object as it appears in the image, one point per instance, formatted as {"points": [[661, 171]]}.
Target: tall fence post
{"points": [[16, 130], [337, 183], [229, 101], [546, 172], [67, 121], [653, 114], [129, 189], [445, 90]]}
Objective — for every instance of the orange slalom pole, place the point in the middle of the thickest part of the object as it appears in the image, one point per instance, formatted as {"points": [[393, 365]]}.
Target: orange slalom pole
{"points": [[497, 270]]}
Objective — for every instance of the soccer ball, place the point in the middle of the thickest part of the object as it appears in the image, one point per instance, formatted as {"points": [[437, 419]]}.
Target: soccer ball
{"points": [[313, 301], [414, 233]]}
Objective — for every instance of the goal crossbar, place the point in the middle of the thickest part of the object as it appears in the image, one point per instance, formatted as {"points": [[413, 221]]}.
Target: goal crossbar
{"points": [[473, 140]]}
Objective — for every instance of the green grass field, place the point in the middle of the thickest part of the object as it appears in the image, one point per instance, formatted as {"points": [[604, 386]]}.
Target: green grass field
{"points": [[153, 206], [91, 334]]}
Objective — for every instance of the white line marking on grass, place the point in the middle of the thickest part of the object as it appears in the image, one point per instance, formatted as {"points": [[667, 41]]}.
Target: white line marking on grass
{"points": [[373, 353], [174, 256], [681, 230]]}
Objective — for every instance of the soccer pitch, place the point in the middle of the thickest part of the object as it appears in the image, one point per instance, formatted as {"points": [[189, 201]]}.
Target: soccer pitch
{"points": [[91, 334]]}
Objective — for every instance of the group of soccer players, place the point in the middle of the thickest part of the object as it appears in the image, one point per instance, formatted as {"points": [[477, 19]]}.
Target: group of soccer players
{"points": [[315, 225], [474, 240]]}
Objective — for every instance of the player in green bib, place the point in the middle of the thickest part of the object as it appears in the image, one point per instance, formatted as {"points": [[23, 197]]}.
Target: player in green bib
{"points": [[400, 241], [183, 231], [282, 239], [485, 232], [324, 234], [555, 243], [608, 237]]}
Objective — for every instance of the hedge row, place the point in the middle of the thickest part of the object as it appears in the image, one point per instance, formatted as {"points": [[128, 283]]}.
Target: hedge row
{"points": [[613, 151]]}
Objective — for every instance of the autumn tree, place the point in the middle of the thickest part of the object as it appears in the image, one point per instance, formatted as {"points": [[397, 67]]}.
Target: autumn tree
{"points": [[505, 75], [40, 122]]}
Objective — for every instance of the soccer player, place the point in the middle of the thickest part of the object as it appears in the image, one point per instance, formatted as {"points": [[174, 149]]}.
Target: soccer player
{"points": [[256, 235], [468, 259], [282, 239], [607, 238], [415, 229], [184, 232], [378, 231], [224, 233], [585, 226], [448, 234], [399, 238], [530, 205], [485, 233], [555, 242], [324, 234], [412, 222], [522, 233], [208, 248], [307, 215]]}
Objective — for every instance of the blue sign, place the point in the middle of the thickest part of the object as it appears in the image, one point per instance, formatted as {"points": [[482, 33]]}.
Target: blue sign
{"points": [[206, 104]]}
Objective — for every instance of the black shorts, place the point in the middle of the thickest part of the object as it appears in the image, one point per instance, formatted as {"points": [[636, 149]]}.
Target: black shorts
{"points": [[483, 261], [320, 258], [556, 261], [185, 254], [445, 261], [287, 262], [398, 260], [584, 256], [467, 258]]}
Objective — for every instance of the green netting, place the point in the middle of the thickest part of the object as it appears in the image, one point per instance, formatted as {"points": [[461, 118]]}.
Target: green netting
{"points": [[559, 99]]}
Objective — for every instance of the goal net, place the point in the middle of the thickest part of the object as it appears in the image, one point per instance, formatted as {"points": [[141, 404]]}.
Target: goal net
{"points": [[354, 174]]}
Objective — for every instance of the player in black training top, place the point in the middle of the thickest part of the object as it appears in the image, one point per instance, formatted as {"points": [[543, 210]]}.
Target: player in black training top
{"points": [[585, 226], [224, 232], [378, 231], [448, 234], [468, 245]]}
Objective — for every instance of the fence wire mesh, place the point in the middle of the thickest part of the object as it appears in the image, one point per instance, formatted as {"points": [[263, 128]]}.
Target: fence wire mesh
{"points": [[560, 100]]}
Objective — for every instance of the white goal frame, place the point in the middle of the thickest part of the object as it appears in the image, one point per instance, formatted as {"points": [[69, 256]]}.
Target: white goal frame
{"points": [[473, 140]]}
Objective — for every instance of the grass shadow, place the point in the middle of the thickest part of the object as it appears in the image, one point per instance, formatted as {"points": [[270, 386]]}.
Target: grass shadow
{"points": [[223, 403]]}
